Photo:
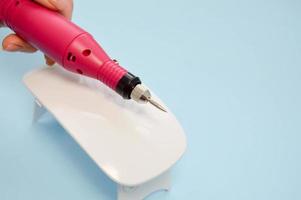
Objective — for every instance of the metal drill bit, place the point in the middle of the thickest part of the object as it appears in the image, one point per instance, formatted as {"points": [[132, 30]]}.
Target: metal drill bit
{"points": [[141, 94], [156, 104]]}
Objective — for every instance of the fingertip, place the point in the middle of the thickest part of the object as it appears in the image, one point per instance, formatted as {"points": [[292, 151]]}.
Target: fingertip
{"points": [[11, 44], [12, 48], [49, 61], [14, 43]]}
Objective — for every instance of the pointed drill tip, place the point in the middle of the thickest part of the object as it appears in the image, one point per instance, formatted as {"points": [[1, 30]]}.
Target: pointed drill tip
{"points": [[157, 105]]}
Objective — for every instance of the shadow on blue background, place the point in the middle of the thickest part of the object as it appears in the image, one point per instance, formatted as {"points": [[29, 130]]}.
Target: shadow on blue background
{"points": [[230, 71]]}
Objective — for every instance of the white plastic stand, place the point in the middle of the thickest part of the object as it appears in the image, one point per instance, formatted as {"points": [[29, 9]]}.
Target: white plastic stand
{"points": [[140, 192], [38, 111], [135, 145]]}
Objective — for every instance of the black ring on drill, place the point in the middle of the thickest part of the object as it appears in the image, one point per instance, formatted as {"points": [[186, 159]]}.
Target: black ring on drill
{"points": [[127, 84]]}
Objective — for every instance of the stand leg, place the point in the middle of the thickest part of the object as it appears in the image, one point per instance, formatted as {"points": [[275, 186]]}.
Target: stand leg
{"points": [[142, 191], [38, 111]]}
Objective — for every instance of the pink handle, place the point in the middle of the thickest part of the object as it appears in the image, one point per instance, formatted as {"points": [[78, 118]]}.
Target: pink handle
{"points": [[60, 39]]}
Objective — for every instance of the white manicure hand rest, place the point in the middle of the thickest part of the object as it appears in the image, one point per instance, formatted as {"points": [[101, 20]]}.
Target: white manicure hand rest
{"points": [[131, 143]]}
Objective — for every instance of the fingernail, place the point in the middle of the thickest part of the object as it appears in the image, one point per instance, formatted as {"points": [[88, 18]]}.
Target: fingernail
{"points": [[12, 47], [49, 62]]}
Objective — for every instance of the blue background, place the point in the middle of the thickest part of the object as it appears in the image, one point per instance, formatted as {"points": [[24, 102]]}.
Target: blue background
{"points": [[230, 71]]}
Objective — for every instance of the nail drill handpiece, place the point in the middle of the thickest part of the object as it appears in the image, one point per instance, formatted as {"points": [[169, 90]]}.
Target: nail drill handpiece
{"points": [[71, 47]]}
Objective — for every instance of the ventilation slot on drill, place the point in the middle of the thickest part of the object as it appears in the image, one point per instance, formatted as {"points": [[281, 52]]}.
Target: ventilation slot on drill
{"points": [[87, 52], [71, 57], [79, 71]]}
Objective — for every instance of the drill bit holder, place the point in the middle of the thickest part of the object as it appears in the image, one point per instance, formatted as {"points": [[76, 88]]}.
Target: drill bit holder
{"points": [[134, 145]]}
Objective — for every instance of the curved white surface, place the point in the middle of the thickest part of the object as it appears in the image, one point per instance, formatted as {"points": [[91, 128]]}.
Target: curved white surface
{"points": [[131, 143]]}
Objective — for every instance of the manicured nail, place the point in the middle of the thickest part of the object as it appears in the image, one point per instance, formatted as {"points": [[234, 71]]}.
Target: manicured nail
{"points": [[12, 47], [49, 61]]}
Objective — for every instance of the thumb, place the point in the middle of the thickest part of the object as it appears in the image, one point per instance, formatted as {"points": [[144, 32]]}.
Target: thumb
{"points": [[65, 7]]}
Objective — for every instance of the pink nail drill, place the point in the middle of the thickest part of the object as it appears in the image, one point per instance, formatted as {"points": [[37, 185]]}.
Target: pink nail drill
{"points": [[71, 47]]}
